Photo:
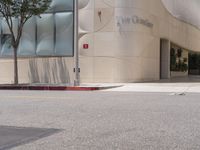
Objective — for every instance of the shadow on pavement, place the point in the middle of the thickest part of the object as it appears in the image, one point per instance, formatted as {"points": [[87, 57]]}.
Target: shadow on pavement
{"points": [[14, 136]]}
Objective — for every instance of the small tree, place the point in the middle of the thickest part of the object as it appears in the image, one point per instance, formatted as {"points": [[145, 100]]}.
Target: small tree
{"points": [[22, 10]]}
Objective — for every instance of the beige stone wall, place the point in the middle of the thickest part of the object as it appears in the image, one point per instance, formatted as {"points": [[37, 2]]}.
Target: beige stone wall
{"points": [[131, 51], [118, 53], [38, 70]]}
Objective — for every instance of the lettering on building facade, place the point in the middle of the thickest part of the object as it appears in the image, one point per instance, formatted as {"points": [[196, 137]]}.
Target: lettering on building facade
{"points": [[126, 20]]}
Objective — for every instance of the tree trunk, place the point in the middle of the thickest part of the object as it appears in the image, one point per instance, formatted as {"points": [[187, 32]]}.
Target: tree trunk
{"points": [[15, 67]]}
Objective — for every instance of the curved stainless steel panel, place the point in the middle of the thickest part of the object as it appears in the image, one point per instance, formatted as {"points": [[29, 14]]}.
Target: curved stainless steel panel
{"points": [[185, 10]]}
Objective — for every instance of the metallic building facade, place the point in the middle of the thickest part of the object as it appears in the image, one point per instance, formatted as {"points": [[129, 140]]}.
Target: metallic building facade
{"points": [[48, 35]]}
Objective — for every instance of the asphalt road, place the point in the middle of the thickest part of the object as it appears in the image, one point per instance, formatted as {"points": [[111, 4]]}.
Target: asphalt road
{"points": [[105, 120]]}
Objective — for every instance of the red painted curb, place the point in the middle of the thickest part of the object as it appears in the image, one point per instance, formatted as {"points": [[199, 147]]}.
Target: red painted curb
{"points": [[50, 88]]}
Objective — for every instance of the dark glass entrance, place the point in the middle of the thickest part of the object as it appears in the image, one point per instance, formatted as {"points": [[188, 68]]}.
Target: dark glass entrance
{"points": [[194, 63]]}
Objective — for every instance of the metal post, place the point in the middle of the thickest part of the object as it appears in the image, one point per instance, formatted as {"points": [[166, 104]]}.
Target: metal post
{"points": [[76, 44]]}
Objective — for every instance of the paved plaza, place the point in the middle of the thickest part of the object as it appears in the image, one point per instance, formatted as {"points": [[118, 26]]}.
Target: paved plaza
{"points": [[102, 120]]}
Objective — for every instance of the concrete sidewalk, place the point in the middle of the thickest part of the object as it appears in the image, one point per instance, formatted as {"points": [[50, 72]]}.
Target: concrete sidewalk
{"points": [[159, 87], [189, 84]]}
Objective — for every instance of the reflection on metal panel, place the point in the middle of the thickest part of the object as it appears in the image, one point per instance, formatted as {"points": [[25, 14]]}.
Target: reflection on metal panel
{"points": [[61, 5], [6, 48], [45, 35], [28, 42], [64, 34]]}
